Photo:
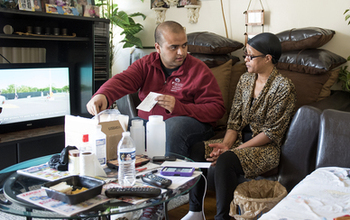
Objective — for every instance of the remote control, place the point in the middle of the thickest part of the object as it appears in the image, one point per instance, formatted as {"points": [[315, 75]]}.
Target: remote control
{"points": [[155, 180], [145, 192]]}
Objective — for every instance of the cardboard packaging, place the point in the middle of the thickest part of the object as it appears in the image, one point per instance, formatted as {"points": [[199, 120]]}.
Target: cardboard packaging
{"points": [[75, 127]]}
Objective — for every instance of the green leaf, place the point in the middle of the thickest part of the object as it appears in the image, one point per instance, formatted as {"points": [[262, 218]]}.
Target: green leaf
{"points": [[346, 11], [347, 17], [138, 14], [131, 40]]}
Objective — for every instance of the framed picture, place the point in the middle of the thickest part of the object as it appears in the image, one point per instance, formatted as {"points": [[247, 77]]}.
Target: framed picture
{"points": [[53, 9], [62, 2], [26, 5], [83, 2], [67, 10], [159, 4], [37, 5], [91, 11], [182, 3]]}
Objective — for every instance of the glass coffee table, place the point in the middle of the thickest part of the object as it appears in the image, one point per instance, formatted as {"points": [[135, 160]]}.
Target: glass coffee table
{"points": [[12, 184]]}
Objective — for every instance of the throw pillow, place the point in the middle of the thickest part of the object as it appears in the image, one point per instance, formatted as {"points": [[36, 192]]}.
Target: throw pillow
{"points": [[222, 75], [326, 89], [313, 61], [236, 73], [307, 86], [210, 43], [212, 60], [304, 38]]}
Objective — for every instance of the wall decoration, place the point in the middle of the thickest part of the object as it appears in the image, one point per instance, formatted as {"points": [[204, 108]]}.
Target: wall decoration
{"points": [[37, 5], [50, 8], [183, 3], [160, 14], [159, 4], [26, 5], [91, 11], [192, 13], [172, 2], [253, 18]]}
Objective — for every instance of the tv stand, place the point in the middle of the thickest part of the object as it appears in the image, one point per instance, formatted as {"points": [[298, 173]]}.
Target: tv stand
{"points": [[19, 146], [87, 51]]}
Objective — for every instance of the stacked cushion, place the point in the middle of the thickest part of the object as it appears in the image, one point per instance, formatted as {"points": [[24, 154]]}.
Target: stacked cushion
{"points": [[312, 70], [304, 38]]}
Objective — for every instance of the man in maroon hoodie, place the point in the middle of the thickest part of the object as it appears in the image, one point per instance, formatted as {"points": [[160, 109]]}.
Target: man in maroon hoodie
{"points": [[191, 101]]}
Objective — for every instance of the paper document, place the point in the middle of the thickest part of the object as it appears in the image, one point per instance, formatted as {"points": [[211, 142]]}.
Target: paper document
{"points": [[186, 164], [149, 102]]}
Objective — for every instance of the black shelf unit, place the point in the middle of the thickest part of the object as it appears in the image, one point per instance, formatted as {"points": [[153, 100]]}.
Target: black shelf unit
{"points": [[87, 52]]}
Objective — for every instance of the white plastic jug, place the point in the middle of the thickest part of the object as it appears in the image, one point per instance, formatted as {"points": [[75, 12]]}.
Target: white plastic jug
{"points": [[155, 128], [137, 131]]}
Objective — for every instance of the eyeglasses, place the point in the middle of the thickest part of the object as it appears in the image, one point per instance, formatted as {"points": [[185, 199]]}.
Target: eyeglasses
{"points": [[251, 57]]}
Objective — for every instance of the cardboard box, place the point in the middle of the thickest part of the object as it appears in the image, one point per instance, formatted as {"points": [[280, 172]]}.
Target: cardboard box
{"points": [[75, 127], [113, 131]]}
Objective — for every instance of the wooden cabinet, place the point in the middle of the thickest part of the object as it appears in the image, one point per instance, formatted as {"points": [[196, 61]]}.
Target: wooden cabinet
{"points": [[85, 47]]}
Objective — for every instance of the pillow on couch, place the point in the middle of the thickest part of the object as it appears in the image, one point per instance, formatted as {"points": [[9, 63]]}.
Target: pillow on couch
{"points": [[308, 86], [213, 60], [304, 38], [222, 75], [313, 61], [210, 43]]}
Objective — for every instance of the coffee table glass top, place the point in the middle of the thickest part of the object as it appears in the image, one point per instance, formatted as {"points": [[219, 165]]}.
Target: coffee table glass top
{"points": [[13, 184]]}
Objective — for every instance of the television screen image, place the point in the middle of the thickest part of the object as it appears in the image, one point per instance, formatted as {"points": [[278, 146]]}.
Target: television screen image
{"points": [[30, 94]]}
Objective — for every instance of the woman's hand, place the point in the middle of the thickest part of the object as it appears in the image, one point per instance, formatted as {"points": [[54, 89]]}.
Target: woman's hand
{"points": [[218, 149]]}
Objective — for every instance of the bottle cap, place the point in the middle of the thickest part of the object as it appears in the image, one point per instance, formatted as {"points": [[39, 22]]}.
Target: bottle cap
{"points": [[126, 133], [85, 138], [155, 118], [137, 123]]}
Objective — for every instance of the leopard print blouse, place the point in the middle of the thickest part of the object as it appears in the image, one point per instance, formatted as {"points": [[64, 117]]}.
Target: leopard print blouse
{"points": [[271, 113]]}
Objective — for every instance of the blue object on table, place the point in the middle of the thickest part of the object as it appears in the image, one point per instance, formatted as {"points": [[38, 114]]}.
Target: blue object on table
{"points": [[26, 164]]}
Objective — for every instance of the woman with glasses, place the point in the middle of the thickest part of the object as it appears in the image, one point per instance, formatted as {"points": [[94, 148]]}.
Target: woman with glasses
{"points": [[264, 102]]}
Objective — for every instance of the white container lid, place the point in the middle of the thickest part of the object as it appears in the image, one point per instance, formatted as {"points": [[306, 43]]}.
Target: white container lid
{"points": [[137, 123], [155, 118]]}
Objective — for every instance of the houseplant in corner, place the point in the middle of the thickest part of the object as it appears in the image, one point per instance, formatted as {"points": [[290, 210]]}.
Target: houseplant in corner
{"points": [[123, 20], [344, 73]]}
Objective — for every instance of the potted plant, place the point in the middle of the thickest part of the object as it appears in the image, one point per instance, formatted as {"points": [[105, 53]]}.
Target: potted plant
{"points": [[344, 73], [123, 20]]}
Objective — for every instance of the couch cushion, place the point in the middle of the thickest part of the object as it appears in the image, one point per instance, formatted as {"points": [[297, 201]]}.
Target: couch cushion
{"points": [[222, 74], [304, 38], [236, 73], [313, 61], [308, 86], [213, 60], [326, 89], [210, 43]]}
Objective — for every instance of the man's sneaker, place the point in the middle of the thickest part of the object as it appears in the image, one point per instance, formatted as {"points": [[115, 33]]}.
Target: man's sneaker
{"points": [[153, 213]]}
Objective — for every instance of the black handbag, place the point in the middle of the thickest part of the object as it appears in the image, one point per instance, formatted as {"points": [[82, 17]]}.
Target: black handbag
{"points": [[60, 161]]}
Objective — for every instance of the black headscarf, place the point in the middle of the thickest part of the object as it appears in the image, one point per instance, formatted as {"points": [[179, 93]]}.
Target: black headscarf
{"points": [[267, 43]]}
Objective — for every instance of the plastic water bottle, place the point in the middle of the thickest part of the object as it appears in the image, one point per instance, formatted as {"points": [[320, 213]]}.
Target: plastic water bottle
{"points": [[126, 160], [155, 136], [99, 146], [137, 132]]}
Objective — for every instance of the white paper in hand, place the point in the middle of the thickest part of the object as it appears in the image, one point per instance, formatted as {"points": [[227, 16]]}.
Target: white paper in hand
{"points": [[149, 102]]}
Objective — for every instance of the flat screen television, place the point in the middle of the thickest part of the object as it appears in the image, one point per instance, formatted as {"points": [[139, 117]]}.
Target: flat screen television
{"points": [[34, 95]]}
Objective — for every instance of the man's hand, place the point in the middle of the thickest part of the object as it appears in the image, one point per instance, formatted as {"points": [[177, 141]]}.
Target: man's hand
{"points": [[97, 104], [167, 102]]}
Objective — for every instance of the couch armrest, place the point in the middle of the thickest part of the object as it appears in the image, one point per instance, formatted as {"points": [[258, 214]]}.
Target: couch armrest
{"points": [[299, 149], [127, 105], [333, 142], [338, 100]]}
